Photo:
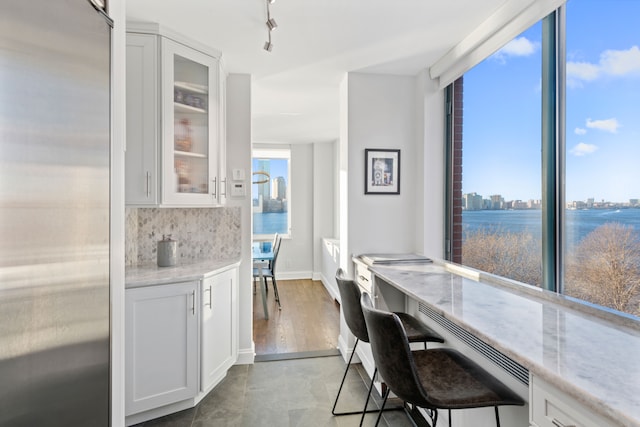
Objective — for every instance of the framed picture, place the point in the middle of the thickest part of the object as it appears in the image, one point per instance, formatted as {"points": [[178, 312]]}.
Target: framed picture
{"points": [[381, 171]]}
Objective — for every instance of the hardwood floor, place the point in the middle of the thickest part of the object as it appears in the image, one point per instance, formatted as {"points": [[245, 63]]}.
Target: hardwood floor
{"points": [[309, 319]]}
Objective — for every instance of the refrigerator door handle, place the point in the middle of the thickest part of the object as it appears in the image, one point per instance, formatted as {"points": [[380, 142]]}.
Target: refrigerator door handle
{"points": [[101, 7]]}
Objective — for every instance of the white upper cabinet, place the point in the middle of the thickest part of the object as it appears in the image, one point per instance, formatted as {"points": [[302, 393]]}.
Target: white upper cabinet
{"points": [[142, 159], [175, 127]]}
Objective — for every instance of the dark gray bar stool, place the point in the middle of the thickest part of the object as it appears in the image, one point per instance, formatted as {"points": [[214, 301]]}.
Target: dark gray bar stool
{"points": [[350, 296], [434, 379]]}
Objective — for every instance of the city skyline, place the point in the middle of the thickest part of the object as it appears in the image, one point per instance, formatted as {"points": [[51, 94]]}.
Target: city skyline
{"points": [[497, 201], [502, 99]]}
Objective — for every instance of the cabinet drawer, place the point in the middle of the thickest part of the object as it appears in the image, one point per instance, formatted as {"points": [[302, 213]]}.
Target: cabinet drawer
{"points": [[363, 277], [549, 407]]}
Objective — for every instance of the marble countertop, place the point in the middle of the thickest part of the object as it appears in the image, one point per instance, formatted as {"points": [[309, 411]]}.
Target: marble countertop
{"points": [[594, 359], [151, 274]]}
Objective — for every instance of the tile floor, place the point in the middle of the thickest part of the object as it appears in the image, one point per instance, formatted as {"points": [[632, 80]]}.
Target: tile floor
{"points": [[283, 393]]}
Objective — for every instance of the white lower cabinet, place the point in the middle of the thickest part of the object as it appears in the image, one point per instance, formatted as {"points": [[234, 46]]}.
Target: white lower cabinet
{"points": [[219, 345], [161, 339], [550, 407], [180, 339]]}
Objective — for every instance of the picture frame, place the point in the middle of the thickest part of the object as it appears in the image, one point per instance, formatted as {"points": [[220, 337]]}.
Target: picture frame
{"points": [[382, 171]]}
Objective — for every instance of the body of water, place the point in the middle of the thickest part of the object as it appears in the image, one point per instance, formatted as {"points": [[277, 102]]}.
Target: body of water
{"points": [[270, 223], [579, 223]]}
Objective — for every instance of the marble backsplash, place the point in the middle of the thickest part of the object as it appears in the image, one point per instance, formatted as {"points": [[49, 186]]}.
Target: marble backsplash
{"points": [[201, 233]]}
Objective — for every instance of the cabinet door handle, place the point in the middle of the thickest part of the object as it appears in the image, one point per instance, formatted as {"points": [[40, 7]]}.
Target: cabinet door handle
{"points": [[208, 289], [148, 184], [361, 277], [223, 187], [193, 302], [560, 424], [215, 184]]}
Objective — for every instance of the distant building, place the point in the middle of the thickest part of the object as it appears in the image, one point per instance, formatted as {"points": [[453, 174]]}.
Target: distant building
{"points": [[263, 190], [278, 188], [472, 202], [497, 201]]}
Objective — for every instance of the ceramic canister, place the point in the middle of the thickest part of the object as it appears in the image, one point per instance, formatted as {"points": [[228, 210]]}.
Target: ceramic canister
{"points": [[167, 251]]}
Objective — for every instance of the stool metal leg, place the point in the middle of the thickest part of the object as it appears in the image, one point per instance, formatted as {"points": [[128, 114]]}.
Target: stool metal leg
{"points": [[384, 401], [364, 410], [333, 411]]}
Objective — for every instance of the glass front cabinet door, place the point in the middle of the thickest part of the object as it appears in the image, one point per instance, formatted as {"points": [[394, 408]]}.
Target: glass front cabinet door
{"points": [[191, 127]]}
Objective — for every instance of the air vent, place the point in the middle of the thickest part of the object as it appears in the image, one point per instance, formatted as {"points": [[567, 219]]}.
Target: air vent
{"points": [[515, 369]]}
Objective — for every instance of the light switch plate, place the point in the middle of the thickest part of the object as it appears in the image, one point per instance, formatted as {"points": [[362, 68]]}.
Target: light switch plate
{"points": [[238, 174]]}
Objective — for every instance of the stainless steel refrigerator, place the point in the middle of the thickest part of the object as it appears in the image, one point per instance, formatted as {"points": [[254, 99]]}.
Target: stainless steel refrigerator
{"points": [[54, 213]]}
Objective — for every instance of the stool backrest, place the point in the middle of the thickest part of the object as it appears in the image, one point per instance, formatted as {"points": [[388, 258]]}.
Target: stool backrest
{"points": [[350, 303], [392, 354]]}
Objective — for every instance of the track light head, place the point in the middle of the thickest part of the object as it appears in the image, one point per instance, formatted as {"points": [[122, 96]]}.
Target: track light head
{"points": [[268, 46], [271, 24]]}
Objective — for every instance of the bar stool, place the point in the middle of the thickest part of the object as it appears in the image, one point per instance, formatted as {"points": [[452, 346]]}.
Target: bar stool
{"points": [[440, 378], [350, 303]]}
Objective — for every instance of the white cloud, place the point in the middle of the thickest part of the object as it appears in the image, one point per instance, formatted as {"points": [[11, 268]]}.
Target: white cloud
{"points": [[578, 72], [520, 46], [580, 131], [583, 149], [612, 63], [608, 125], [621, 62]]}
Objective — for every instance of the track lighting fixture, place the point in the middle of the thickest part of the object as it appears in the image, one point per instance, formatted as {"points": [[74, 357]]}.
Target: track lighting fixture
{"points": [[268, 46], [271, 25]]}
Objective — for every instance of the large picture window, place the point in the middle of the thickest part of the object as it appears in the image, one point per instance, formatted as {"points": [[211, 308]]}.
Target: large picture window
{"points": [[548, 188], [270, 193], [602, 219], [501, 222]]}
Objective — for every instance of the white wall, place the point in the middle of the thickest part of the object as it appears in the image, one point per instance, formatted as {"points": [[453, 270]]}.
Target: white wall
{"points": [[296, 254], [381, 114], [324, 171], [239, 157]]}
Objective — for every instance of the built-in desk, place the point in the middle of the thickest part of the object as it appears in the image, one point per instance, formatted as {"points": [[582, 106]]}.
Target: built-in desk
{"points": [[583, 363]]}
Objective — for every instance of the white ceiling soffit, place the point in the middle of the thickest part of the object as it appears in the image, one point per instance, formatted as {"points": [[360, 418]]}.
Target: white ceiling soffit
{"points": [[504, 25], [295, 88]]}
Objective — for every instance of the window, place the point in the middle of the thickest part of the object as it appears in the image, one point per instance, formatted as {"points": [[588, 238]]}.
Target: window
{"points": [[602, 218], [501, 221], [270, 193], [576, 141]]}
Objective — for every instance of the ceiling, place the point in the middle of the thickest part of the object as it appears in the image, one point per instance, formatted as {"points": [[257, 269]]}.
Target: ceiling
{"points": [[295, 88]]}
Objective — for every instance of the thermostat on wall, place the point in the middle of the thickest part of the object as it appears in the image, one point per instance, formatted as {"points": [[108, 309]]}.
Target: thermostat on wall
{"points": [[237, 189]]}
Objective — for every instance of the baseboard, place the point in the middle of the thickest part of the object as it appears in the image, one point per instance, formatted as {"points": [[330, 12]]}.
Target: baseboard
{"points": [[246, 356], [346, 351], [331, 287], [293, 275]]}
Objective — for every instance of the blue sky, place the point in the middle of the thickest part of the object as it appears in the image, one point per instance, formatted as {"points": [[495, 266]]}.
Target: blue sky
{"points": [[502, 98]]}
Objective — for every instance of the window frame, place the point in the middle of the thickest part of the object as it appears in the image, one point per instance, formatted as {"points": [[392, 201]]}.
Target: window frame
{"points": [[273, 153], [553, 143]]}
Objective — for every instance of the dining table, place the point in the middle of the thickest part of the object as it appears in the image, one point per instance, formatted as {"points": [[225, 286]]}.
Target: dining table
{"points": [[262, 255]]}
